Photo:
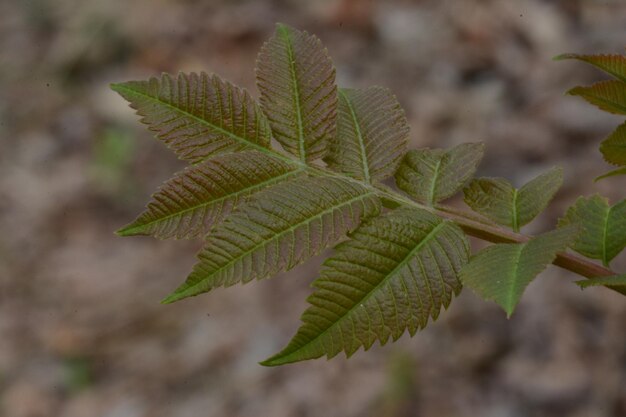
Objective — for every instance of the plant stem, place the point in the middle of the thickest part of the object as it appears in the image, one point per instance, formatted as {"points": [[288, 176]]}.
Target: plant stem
{"points": [[472, 224], [477, 226]]}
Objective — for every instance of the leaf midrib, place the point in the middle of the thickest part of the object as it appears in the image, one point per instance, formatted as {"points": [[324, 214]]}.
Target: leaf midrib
{"points": [[177, 296], [590, 93], [605, 231], [433, 184], [514, 281], [296, 92], [237, 194], [357, 128], [370, 294], [213, 126], [514, 214]]}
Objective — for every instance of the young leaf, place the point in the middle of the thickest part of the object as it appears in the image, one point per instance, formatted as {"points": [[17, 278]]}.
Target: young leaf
{"points": [[372, 132], [197, 115], [498, 200], [611, 64], [614, 147], [395, 272], [612, 281], [609, 96], [199, 197], [296, 79], [502, 272], [432, 175], [604, 227], [278, 229]]}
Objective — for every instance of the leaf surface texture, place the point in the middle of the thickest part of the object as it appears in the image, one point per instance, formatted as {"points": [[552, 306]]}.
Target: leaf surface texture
{"points": [[198, 115], [609, 96], [395, 272], [432, 175], [372, 133], [296, 79], [190, 203], [604, 227], [614, 147], [278, 229], [502, 272], [611, 64], [498, 200]]}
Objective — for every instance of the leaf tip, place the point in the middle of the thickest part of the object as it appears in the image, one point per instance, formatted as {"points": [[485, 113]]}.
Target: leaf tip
{"points": [[125, 231], [172, 298], [562, 57], [581, 284], [275, 360], [116, 87]]}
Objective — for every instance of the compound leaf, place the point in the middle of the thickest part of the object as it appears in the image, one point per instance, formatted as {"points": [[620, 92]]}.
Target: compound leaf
{"points": [[200, 196], [395, 272], [296, 79], [604, 227], [614, 147], [197, 115], [498, 200], [278, 229], [609, 96], [432, 175], [612, 281], [502, 272], [611, 64], [372, 133]]}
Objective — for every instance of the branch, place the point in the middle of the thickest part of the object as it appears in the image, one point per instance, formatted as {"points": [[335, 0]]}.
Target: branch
{"points": [[478, 226]]}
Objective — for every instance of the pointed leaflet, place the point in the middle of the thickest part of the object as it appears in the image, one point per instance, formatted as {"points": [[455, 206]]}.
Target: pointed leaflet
{"points": [[498, 200], [371, 135], [604, 227], [614, 147], [199, 197], [502, 272], [198, 115], [395, 272], [278, 229], [612, 281], [609, 96], [614, 173], [432, 175], [296, 79], [612, 64]]}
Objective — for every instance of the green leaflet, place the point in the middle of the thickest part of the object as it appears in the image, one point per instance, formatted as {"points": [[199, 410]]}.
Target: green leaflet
{"points": [[372, 133], [197, 115], [612, 281], [502, 272], [609, 96], [614, 173], [296, 79], [432, 175], [394, 273], [278, 229], [498, 200], [611, 64], [604, 227], [202, 195], [614, 147]]}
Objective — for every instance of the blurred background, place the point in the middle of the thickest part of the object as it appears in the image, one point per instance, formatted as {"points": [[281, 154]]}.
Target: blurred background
{"points": [[82, 332]]}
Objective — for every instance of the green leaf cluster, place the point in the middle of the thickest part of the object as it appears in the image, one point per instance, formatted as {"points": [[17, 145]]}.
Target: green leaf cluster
{"points": [[609, 96], [271, 184]]}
